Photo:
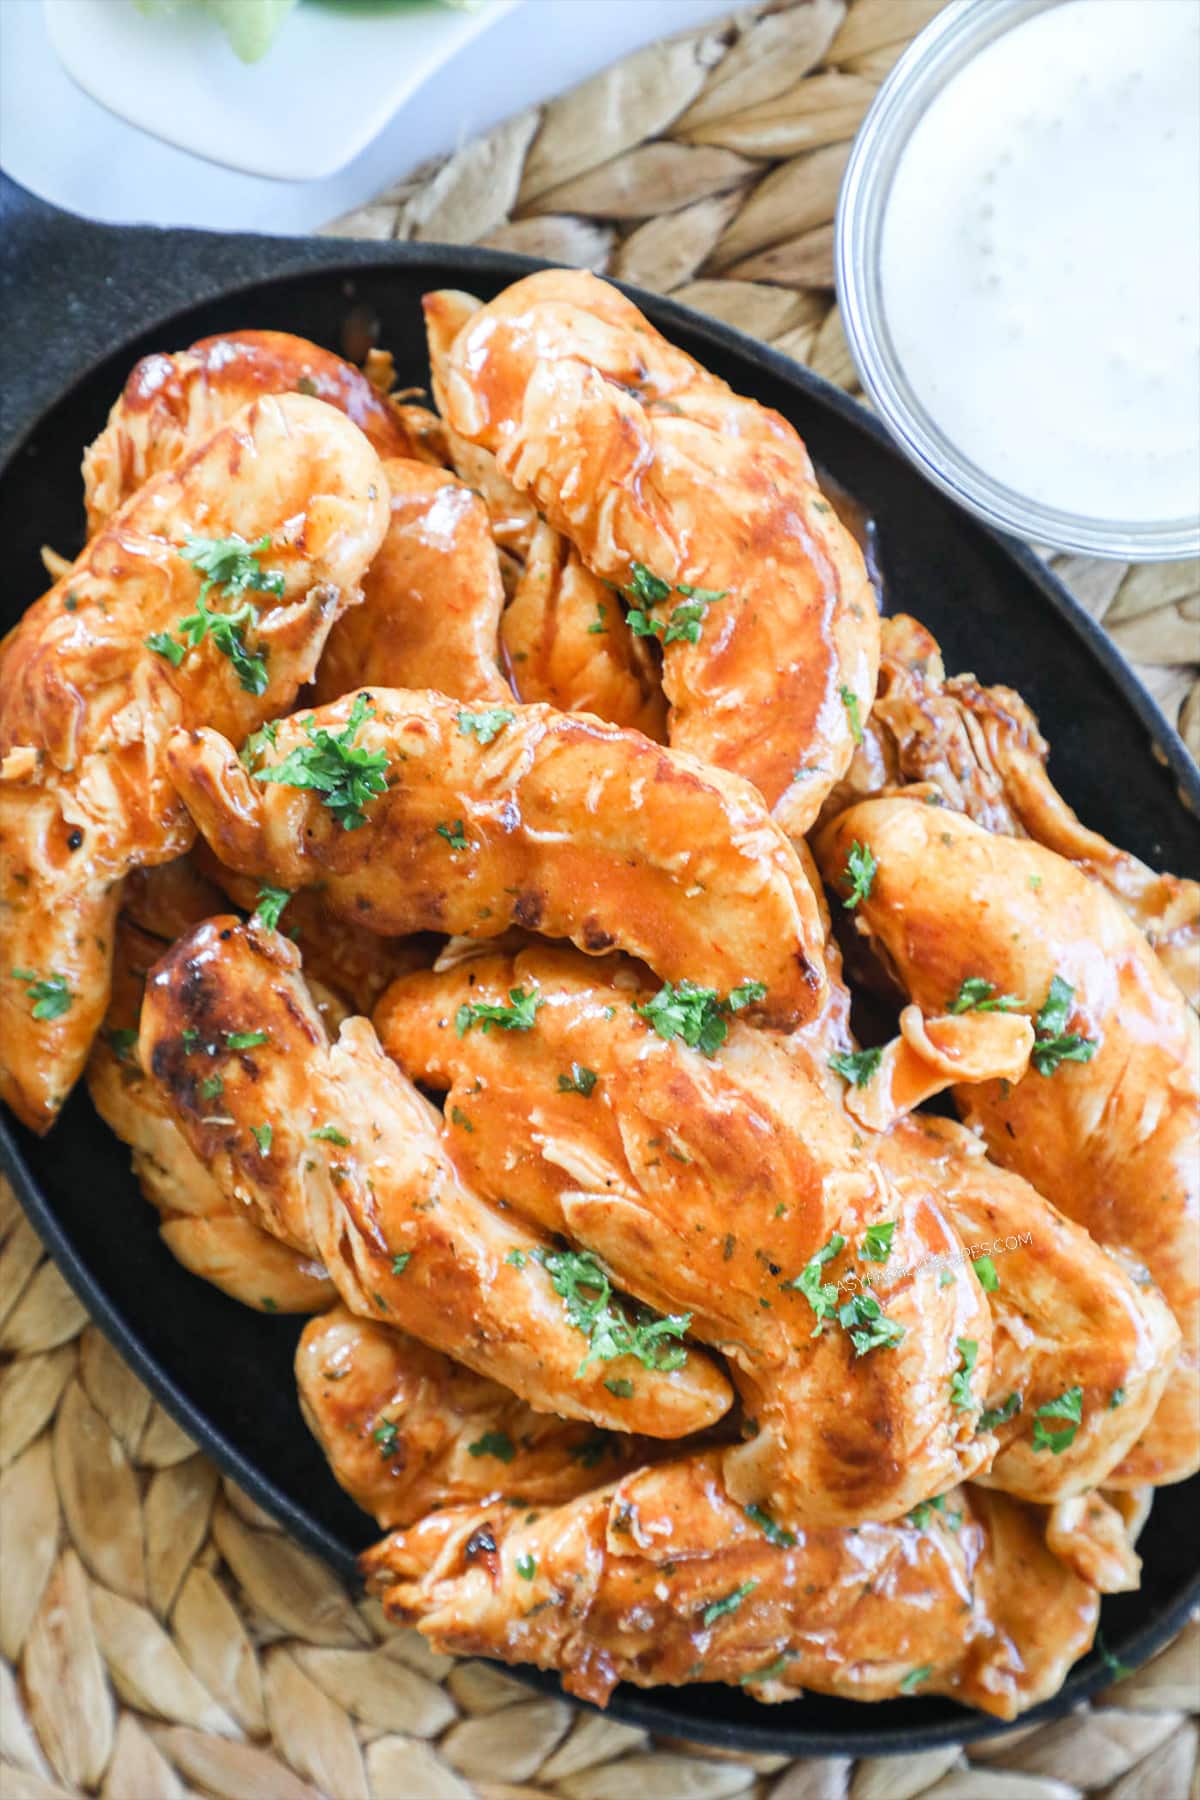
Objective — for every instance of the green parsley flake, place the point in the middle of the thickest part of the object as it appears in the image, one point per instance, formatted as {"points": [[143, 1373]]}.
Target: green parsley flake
{"points": [[770, 1673], [850, 702], [915, 1678], [494, 1443], [961, 1397], [579, 1081], [978, 995], [696, 1014], [387, 1436], [587, 1296], [121, 1042], [487, 724], [344, 774], [401, 1261], [526, 1567], [50, 994], [1116, 1398], [189, 1037], [212, 1087], [454, 835], [329, 1134], [517, 1014], [622, 1388], [1116, 1669], [985, 1268], [821, 1296], [258, 743], [746, 993], [859, 873], [869, 1326], [269, 904], [598, 627], [1053, 1044], [517, 1258], [856, 1066], [774, 1534], [262, 1135], [686, 622], [1057, 1438], [458, 1117], [877, 1242], [1000, 1415], [230, 565], [246, 1040], [717, 1609]]}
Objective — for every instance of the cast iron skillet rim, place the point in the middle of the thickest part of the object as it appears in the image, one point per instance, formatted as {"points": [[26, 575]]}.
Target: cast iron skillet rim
{"points": [[637, 1706]]}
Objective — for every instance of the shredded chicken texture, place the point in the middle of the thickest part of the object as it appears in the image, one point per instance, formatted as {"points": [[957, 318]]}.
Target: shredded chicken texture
{"points": [[431, 598], [87, 705], [171, 403], [523, 815], [642, 458], [662, 1579], [1111, 1140], [708, 1184], [407, 1430], [328, 1147], [979, 750]]}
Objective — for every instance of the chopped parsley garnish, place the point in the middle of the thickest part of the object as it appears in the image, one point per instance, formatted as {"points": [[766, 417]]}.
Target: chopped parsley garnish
{"points": [[258, 743], [978, 995], [696, 1014], [50, 994], [850, 702], [598, 626], [189, 1037], [487, 724], [262, 1135], [587, 1295], [454, 835], [877, 1242], [346, 776], [458, 1117], [1000, 1415], [579, 1081], [231, 565], [1053, 1043], [1116, 1669], [387, 1436], [769, 1673], [1116, 1398], [685, 623], [246, 1040], [1057, 1438], [592, 1451], [919, 1516], [717, 1609], [774, 1534], [516, 1014], [915, 1677], [494, 1443], [121, 1042], [869, 1326], [985, 1268], [856, 1066], [212, 1087], [526, 1567], [821, 1296], [859, 873], [401, 1261], [329, 1134], [269, 904], [961, 1397], [517, 1258], [622, 1388], [163, 644]]}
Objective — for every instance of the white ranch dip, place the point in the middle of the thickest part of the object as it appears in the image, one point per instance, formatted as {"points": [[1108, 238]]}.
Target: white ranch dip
{"points": [[1041, 259]]}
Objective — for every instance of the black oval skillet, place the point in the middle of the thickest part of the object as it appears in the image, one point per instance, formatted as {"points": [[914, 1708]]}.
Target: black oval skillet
{"points": [[81, 303]]}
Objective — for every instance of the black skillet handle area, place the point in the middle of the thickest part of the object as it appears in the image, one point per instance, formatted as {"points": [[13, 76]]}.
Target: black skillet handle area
{"points": [[70, 290]]}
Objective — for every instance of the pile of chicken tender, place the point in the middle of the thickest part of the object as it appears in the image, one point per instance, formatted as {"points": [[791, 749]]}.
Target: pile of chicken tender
{"points": [[435, 837]]}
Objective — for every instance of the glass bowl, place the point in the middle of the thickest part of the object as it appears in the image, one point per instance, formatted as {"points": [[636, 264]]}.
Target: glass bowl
{"points": [[950, 41]]}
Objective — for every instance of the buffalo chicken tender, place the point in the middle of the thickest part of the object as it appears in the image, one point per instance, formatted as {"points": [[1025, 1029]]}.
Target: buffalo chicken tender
{"points": [[406, 1430], [414, 813], [206, 598], [1069, 1323], [726, 1185], [204, 1229], [328, 1147], [431, 598], [170, 404], [662, 1579], [1105, 1123], [701, 506]]}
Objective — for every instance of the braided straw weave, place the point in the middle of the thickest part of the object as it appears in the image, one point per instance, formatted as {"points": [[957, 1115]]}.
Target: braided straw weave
{"points": [[159, 1636]]}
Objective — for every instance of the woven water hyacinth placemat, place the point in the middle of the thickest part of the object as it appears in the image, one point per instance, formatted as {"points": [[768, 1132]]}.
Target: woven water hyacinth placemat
{"points": [[159, 1636]]}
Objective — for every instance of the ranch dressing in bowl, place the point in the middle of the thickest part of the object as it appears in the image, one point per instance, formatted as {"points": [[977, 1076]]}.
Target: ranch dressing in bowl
{"points": [[1019, 260]]}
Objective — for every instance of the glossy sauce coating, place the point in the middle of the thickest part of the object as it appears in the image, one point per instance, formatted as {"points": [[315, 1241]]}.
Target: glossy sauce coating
{"points": [[1111, 1141], [662, 1579], [573, 828], [353, 1168], [707, 1184], [639, 456], [86, 706]]}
